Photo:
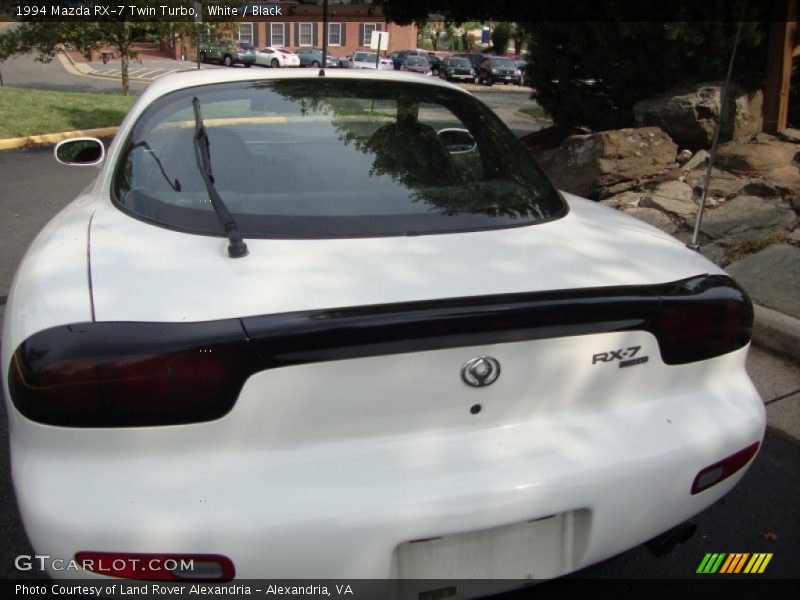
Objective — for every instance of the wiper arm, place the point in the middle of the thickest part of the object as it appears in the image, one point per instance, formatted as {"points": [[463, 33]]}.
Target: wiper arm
{"points": [[236, 248], [176, 185]]}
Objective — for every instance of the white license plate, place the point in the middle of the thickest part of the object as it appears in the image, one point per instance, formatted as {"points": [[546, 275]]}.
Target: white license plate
{"points": [[539, 549]]}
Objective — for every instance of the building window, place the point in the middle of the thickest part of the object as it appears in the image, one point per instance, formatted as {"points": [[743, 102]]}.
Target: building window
{"points": [[367, 29], [244, 33], [276, 32], [334, 34], [306, 34]]}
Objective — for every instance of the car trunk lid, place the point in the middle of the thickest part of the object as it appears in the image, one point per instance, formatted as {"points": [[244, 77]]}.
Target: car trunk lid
{"points": [[142, 272]]}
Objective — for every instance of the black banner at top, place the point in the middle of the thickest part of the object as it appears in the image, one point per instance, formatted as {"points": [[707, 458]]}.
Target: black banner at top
{"points": [[399, 11]]}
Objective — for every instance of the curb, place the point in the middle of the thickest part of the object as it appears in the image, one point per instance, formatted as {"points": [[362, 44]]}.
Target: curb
{"points": [[776, 331], [47, 139]]}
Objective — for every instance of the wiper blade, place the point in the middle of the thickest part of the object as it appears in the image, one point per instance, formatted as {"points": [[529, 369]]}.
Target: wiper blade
{"points": [[236, 247]]}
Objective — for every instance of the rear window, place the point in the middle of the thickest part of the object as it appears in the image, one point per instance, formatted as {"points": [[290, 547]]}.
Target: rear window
{"points": [[503, 63], [417, 61], [326, 158]]}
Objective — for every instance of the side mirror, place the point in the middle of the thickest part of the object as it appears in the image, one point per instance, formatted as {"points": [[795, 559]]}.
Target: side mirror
{"points": [[457, 141], [83, 152]]}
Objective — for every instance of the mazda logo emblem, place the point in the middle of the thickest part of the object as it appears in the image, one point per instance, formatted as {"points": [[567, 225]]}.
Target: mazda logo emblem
{"points": [[480, 371]]}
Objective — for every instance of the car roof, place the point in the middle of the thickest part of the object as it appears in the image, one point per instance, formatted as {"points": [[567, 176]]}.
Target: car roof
{"points": [[185, 79]]}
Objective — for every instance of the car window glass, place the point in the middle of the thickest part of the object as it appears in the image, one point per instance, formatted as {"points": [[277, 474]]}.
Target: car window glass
{"points": [[302, 158]]}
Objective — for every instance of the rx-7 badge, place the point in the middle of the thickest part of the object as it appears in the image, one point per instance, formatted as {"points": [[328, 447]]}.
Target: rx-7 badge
{"points": [[624, 355]]}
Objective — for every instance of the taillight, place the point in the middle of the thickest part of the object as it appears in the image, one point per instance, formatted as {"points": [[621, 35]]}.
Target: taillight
{"points": [[158, 567], [131, 374], [703, 318], [720, 471]]}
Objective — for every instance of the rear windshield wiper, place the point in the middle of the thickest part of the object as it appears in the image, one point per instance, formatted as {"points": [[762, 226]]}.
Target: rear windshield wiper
{"points": [[236, 248]]}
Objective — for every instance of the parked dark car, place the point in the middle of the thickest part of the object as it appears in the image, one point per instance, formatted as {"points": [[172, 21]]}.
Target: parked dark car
{"points": [[417, 64], [457, 68], [521, 66], [312, 57], [436, 64], [399, 57], [228, 53], [498, 69], [474, 58]]}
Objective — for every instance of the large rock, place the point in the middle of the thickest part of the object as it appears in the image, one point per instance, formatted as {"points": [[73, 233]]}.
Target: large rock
{"points": [[584, 164], [672, 196], [775, 161], [772, 277], [757, 158], [689, 114], [654, 217], [623, 201], [722, 183], [748, 218]]}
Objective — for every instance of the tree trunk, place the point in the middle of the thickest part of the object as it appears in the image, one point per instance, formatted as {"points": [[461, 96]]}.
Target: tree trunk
{"points": [[125, 56], [123, 64]]}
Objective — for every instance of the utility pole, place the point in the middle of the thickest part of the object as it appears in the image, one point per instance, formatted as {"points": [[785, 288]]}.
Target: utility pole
{"points": [[198, 24]]}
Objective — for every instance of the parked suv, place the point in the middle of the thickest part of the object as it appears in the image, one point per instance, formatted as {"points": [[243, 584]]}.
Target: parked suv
{"points": [[228, 53], [498, 69], [457, 68], [474, 58]]}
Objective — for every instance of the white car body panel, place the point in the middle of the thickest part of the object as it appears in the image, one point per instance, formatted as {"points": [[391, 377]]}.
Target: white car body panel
{"points": [[262, 497], [313, 274], [322, 470], [55, 288]]}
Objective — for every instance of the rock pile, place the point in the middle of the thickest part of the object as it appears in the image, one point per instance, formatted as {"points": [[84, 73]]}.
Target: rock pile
{"points": [[753, 196]]}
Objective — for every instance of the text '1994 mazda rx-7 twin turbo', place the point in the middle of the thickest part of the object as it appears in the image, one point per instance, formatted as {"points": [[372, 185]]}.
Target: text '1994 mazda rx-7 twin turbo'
{"points": [[342, 326]]}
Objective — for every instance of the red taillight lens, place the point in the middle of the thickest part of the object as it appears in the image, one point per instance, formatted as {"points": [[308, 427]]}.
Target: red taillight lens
{"points": [[158, 567], [709, 317], [131, 374], [714, 474]]}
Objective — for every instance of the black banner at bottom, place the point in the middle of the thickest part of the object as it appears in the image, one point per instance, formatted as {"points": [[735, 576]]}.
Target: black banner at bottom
{"points": [[416, 589]]}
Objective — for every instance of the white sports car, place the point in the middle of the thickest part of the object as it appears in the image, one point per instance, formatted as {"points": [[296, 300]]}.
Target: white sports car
{"points": [[277, 57], [343, 327]]}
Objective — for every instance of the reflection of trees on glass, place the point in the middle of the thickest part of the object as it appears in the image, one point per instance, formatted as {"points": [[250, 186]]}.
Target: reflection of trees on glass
{"points": [[411, 152]]}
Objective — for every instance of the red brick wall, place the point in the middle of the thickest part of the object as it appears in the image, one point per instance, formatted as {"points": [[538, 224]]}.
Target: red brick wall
{"points": [[351, 35], [351, 19]]}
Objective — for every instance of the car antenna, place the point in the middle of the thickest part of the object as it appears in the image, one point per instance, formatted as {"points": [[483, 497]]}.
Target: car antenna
{"points": [[324, 58], [723, 96]]}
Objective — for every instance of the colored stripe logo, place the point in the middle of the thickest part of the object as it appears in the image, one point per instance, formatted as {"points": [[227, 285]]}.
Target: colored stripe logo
{"points": [[734, 563]]}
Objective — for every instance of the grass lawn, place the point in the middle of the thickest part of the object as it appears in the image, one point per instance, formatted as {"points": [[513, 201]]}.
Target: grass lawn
{"points": [[26, 111], [536, 112]]}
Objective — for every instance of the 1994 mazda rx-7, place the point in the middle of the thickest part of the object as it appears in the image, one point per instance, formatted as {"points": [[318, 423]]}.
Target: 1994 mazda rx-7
{"points": [[342, 326]]}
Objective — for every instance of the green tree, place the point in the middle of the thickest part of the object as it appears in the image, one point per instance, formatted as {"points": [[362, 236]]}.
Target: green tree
{"points": [[8, 48], [501, 35], [518, 37], [592, 74]]}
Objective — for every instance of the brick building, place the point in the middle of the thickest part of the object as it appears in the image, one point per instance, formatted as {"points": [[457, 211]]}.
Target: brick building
{"points": [[350, 26]]}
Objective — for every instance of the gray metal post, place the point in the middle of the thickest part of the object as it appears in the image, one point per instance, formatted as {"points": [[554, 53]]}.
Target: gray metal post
{"points": [[722, 102], [324, 59]]}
